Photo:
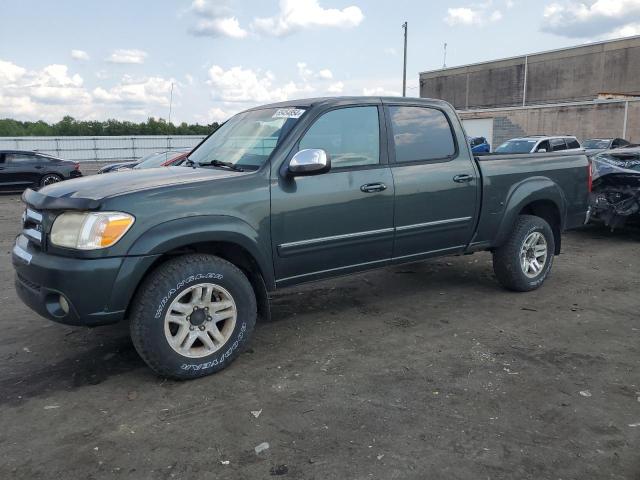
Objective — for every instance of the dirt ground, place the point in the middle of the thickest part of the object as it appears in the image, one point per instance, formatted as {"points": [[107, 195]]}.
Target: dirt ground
{"points": [[426, 371]]}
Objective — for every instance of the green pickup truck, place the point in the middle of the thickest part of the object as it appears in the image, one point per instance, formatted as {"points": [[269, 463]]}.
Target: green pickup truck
{"points": [[279, 195]]}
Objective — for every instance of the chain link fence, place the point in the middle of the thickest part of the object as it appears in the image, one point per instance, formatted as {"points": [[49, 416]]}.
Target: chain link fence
{"points": [[100, 149]]}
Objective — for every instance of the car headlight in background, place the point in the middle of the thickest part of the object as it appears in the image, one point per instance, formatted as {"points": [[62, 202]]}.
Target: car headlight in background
{"points": [[90, 230]]}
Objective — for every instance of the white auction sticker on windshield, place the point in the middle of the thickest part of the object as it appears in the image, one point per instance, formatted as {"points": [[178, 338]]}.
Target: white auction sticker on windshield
{"points": [[288, 113]]}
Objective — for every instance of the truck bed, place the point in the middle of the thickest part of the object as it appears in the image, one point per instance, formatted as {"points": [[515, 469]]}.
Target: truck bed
{"points": [[505, 178]]}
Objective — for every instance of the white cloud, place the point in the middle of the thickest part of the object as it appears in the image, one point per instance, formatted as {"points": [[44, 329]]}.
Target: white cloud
{"points": [[477, 14], [54, 91], [336, 87], [244, 85], [41, 94], [219, 27], [390, 51], [218, 115], [307, 74], [461, 16], [592, 19], [79, 55], [10, 73], [215, 20], [379, 92], [325, 74], [628, 30], [137, 91], [304, 71], [295, 15], [127, 56]]}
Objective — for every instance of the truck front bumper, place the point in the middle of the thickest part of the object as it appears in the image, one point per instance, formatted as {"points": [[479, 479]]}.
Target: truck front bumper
{"points": [[73, 291]]}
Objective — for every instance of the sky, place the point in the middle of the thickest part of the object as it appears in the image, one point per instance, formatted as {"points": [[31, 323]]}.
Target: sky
{"points": [[205, 60]]}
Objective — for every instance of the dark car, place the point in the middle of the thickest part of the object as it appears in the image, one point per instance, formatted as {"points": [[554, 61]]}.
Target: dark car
{"points": [[20, 169], [155, 159], [597, 145], [280, 195]]}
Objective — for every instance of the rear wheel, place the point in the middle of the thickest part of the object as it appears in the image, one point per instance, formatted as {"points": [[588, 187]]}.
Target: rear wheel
{"points": [[192, 316], [50, 179], [524, 261]]}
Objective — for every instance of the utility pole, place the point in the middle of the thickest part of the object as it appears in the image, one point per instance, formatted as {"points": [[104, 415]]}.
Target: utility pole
{"points": [[170, 102], [404, 70], [444, 62]]}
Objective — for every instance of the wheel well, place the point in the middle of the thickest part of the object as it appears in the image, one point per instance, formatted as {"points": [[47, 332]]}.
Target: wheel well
{"points": [[232, 253], [548, 211]]}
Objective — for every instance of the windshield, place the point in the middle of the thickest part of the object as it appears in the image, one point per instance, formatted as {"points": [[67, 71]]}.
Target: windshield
{"points": [[516, 146], [596, 143], [247, 139]]}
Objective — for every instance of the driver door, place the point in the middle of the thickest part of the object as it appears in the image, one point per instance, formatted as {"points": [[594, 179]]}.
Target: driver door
{"points": [[342, 220]]}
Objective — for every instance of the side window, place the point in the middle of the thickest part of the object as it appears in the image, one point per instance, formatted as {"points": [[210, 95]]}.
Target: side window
{"points": [[421, 133], [558, 144], [16, 158], [544, 146], [351, 136], [572, 143]]}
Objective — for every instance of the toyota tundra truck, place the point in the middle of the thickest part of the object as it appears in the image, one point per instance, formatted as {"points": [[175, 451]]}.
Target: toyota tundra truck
{"points": [[280, 195]]}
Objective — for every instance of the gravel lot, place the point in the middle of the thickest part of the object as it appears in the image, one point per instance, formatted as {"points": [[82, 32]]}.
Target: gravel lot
{"points": [[423, 371]]}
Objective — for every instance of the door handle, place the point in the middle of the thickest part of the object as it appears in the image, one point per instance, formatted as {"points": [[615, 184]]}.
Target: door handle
{"points": [[464, 178], [373, 187], [39, 167]]}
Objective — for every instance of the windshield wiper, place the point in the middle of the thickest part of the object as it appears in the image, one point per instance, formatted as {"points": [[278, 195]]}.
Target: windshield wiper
{"points": [[217, 163]]}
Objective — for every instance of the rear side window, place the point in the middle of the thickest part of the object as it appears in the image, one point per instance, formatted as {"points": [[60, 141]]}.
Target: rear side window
{"points": [[421, 133], [351, 136], [572, 143], [12, 158], [558, 144]]}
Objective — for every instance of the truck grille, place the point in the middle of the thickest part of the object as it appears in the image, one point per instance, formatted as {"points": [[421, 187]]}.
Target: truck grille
{"points": [[32, 226]]}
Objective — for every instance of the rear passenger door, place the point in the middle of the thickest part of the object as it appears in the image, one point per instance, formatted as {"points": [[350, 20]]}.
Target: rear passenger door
{"points": [[436, 182]]}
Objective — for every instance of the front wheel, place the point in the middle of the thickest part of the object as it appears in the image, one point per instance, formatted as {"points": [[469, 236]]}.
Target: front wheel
{"points": [[524, 261], [192, 316], [50, 179]]}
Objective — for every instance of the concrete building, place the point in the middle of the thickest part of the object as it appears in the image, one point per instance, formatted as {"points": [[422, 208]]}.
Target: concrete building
{"points": [[588, 91]]}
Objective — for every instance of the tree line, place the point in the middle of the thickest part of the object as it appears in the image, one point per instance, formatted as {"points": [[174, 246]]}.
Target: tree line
{"points": [[69, 126]]}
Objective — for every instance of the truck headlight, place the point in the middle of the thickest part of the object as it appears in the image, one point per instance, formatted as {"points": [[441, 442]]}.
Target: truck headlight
{"points": [[90, 230]]}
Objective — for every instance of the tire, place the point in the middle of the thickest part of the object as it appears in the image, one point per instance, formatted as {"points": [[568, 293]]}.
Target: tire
{"points": [[168, 302], [50, 179], [515, 272]]}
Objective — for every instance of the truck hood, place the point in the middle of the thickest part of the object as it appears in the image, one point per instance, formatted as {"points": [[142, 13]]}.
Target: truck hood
{"points": [[87, 192]]}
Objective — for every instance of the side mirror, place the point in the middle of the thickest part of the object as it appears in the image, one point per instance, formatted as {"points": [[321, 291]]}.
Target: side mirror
{"points": [[312, 161], [542, 150]]}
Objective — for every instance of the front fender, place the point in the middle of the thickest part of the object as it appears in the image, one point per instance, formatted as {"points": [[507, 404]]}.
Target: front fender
{"points": [[183, 232], [524, 193]]}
